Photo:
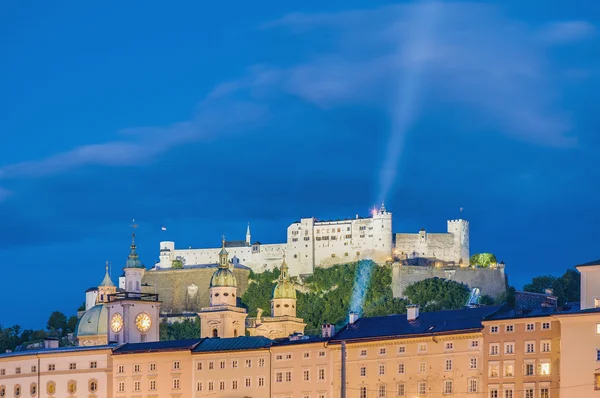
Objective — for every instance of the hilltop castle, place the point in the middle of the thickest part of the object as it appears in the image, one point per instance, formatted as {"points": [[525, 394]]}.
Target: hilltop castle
{"points": [[315, 243]]}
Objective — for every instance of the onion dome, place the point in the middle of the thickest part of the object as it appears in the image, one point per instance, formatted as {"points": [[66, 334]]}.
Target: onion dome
{"points": [[223, 276], [133, 260], [284, 289], [93, 322]]}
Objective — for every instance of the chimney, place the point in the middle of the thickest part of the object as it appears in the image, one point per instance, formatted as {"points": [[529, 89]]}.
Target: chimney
{"points": [[412, 312], [352, 317], [328, 330]]}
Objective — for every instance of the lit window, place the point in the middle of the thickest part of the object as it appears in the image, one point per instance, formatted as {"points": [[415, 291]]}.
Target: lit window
{"points": [[597, 381], [509, 369], [494, 370], [596, 302], [544, 369], [598, 328]]}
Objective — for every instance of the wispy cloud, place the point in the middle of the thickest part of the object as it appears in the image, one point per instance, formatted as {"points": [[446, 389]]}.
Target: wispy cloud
{"points": [[567, 32], [139, 145]]}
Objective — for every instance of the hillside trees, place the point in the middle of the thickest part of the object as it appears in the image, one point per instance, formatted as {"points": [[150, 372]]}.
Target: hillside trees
{"points": [[436, 294], [566, 287]]}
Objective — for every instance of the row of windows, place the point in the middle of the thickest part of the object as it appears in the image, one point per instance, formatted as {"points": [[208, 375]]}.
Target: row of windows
{"points": [[528, 348], [529, 327], [421, 348], [50, 388], [222, 384], [287, 375], [509, 392], [51, 367], [211, 365], [529, 368], [448, 367], [382, 390]]}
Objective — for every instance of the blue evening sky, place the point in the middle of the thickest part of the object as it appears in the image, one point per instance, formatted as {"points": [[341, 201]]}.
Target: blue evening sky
{"points": [[203, 116]]}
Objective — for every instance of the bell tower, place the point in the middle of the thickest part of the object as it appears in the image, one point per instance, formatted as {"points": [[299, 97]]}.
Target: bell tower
{"points": [[133, 316]]}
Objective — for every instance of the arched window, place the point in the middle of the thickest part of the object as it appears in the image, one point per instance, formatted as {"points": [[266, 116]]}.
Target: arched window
{"points": [[72, 387], [235, 333], [33, 389], [215, 333], [17, 390], [51, 387], [93, 385]]}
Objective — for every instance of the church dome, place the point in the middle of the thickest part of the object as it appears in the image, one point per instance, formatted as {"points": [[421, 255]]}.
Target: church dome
{"points": [[284, 289], [93, 322], [223, 277]]}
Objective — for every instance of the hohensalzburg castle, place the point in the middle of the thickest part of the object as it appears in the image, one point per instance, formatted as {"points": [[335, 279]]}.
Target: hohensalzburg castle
{"points": [[314, 243]]}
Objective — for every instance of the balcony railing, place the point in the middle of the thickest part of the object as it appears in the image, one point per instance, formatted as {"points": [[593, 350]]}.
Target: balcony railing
{"points": [[133, 296]]}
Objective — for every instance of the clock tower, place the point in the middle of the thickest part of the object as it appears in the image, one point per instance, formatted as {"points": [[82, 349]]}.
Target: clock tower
{"points": [[133, 316]]}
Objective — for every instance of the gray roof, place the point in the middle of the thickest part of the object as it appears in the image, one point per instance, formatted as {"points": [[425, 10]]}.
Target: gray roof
{"points": [[157, 346], [233, 344], [427, 323], [589, 264], [42, 351], [512, 313]]}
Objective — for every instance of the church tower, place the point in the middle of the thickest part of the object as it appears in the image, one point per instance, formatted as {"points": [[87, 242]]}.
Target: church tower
{"points": [[223, 318], [105, 288], [133, 316], [283, 321]]}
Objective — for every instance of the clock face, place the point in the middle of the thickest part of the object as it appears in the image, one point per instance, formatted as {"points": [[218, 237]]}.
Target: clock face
{"points": [[143, 322], [116, 323]]}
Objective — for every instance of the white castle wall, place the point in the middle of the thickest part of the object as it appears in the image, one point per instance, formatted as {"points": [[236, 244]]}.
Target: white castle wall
{"points": [[312, 243], [452, 247]]}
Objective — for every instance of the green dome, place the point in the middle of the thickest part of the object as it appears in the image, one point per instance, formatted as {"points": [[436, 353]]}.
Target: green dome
{"points": [[223, 277], [284, 289], [94, 322]]}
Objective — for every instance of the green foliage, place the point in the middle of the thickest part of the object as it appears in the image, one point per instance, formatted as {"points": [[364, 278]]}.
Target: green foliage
{"points": [[486, 300], [187, 329], [566, 288], [177, 264], [483, 259], [57, 324], [260, 291], [436, 294], [81, 307]]}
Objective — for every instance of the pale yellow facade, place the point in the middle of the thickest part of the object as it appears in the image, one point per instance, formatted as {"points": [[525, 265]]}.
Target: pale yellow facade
{"points": [[57, 373], [152, 374], [231, 374], [301, 370], [522, 357], [435, 366], [580, 355]]}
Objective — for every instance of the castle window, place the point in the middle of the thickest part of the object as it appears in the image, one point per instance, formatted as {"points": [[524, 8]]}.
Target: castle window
{"points": [[215, 333]]}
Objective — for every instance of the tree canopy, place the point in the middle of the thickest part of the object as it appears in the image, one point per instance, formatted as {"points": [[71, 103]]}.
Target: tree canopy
{"points": [[436, 294], [566, 288], [483, 259]]}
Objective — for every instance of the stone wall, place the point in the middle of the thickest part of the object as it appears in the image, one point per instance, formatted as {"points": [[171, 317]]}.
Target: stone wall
{"points": [[187, 289], [490, 281]]}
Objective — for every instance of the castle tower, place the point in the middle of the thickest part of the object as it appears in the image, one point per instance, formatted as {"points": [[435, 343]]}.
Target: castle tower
{"points": [[382, 235], [460, 230], [223, 318], [284, 295], [283, 321], [133, 316], [248, 236], [105, 288]]}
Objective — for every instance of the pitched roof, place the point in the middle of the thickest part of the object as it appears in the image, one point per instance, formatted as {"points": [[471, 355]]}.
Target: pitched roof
{"points": [[589, 264], [233, 344], [427, 323], [157, 346], [42, 351], [512, 313]]}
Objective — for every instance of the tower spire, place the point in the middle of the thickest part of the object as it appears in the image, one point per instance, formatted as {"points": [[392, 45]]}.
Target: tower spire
{"points": [[223, 255], [248, 236]]}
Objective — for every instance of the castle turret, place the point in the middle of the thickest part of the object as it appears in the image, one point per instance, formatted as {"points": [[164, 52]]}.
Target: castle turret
{"points": [[382, 235], [460, 230]]}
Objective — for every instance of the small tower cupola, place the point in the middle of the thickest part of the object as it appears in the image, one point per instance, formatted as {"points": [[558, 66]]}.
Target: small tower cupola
{"points": [[223, 283], [105, 288], [284, 294], [134, 269]]}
